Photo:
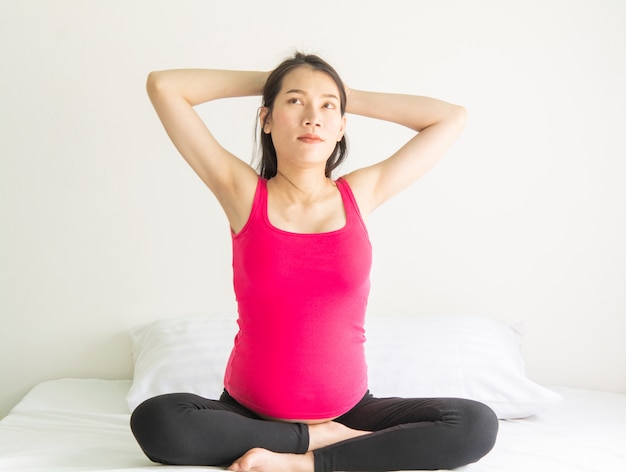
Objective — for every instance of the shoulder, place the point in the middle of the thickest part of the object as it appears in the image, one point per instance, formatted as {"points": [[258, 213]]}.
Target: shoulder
{"points": [[238, 197], [363, 185]]}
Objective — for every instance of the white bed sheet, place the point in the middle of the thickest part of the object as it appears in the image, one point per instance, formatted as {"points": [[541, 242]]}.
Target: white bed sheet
{"points": [[82, 425]]}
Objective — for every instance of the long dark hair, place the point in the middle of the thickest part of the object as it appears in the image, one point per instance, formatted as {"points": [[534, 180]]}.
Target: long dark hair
{"points": [[268, 165]]}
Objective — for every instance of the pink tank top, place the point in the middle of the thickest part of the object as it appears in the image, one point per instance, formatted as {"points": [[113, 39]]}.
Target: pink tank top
{"points": [[299, 352]]}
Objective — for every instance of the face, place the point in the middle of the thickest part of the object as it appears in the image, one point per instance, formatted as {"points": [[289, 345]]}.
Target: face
{"points": [[305, 122]]}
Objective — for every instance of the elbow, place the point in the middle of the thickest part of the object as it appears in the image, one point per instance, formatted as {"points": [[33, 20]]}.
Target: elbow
{"points": [[154, 83], [458, 116]]}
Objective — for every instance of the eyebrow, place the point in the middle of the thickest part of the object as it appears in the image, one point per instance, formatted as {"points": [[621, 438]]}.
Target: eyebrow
{"points": [[302, 92]]}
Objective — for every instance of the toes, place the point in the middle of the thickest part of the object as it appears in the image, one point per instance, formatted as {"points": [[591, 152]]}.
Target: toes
{"points": [[237, 466]]}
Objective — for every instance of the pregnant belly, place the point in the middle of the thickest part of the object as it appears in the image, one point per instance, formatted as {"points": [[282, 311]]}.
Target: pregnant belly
{"points": [[296, 398]]}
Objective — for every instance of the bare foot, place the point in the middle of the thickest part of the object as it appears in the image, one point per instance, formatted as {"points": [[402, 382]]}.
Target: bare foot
{"points": [[331, 432], [262, 460]]}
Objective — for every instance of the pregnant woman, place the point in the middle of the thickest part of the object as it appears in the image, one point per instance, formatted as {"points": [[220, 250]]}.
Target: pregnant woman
{"points": [[296, 393]]}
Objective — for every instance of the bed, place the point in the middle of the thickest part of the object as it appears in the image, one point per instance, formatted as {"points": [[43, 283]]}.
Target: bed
{"points": [[82, 424]]}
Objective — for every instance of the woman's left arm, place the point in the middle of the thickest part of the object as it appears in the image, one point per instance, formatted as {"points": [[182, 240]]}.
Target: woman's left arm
{"points": [[437, 124]]}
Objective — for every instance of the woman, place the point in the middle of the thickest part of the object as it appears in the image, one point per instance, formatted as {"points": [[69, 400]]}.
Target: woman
{"points": [[296, 394]]}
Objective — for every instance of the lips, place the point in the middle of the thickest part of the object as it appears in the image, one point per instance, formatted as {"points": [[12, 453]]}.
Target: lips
{"points": [[310, 138]]}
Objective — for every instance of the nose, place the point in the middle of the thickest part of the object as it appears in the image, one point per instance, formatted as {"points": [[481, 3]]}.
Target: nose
{"points": [[311, 117]]}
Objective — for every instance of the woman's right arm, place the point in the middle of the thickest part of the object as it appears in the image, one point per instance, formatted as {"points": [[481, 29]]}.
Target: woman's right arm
{"points": [[174, 93]]}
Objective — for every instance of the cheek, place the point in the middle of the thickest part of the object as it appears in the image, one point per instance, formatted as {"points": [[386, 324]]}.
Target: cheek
{"points": [[282, 116], [337, 124]]}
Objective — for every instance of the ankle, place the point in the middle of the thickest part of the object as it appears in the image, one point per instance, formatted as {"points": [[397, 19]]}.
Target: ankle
{"points": [[331, 432]]}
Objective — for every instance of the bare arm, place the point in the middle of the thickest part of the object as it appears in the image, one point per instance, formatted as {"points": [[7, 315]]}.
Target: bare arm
{"points": [[437, 124], [174, 93]]}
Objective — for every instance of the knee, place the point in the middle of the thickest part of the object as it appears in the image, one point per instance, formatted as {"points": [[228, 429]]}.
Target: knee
{"points": [[480, 430], [153, 425]]}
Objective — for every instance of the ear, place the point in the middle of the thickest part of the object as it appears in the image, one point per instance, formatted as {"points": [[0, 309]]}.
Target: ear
{"points": [[342, 130], [264, 119]]}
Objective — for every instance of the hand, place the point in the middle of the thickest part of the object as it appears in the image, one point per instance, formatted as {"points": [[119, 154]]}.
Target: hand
{"points": [[348, 91]]}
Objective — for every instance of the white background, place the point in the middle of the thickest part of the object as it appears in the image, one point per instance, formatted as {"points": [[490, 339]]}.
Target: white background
{"points": [[103, 225]]}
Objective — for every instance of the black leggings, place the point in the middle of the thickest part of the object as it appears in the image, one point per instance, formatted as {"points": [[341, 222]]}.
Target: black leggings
{"points": [[408, 434]]}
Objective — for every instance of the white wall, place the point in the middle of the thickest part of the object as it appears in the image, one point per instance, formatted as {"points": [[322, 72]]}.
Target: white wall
{"points": [[103, 226]]}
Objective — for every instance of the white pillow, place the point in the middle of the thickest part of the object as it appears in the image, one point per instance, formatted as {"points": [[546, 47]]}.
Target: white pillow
{"points": [[183, 354], [411, 356], [463, 356]]}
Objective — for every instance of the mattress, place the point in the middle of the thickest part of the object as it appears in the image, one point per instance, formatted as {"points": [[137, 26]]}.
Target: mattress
{"points": [[82, 425]]}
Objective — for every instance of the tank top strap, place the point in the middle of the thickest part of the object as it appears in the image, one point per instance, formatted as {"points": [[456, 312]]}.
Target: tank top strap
{"points": [[349, 202], [261, 201], [259, 206], [260, 196]]}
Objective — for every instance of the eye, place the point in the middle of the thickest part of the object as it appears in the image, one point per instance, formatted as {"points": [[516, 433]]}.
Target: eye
{"points": [[329, 105], [294, 100]]}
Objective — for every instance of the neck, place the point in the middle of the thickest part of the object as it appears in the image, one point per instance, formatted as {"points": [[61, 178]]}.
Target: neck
{"points": [[301, 185]]}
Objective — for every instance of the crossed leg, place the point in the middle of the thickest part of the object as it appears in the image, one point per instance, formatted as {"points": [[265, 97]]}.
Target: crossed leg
{"points": [[377, 434]]}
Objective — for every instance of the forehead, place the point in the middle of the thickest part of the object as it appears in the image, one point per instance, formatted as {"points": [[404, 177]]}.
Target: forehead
{"points": [[309, 80]]}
